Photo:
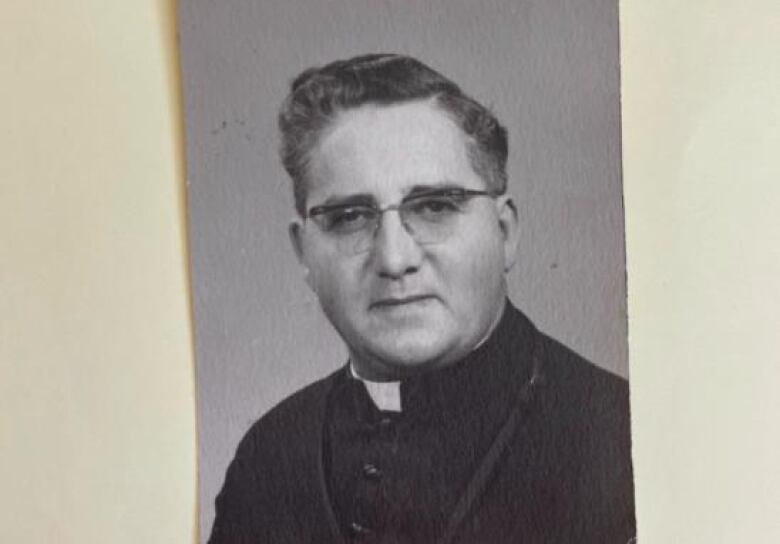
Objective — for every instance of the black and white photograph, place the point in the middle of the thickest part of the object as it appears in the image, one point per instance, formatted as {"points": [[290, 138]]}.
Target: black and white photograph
{"points": [[408, 271]]}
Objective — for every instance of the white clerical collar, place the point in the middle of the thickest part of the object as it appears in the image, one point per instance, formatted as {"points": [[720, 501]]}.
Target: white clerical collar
{"points": [[386, 395]]}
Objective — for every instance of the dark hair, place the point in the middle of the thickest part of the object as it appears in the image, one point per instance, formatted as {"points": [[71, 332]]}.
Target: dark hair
{"points": [[319, 94]]}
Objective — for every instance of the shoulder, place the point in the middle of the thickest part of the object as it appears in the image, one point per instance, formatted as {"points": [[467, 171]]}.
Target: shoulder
{"points": [[275, 473], [564, 368], [567, 375], [295, 418], [584, 397]]}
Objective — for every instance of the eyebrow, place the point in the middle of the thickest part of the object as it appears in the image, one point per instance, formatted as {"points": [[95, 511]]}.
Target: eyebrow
{"points": [[422, 189], [346, 200], [368, 199]]}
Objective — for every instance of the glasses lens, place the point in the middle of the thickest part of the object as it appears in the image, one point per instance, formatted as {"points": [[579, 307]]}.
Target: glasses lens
{"points": [[432, 218], [346, 220], [351, 227]]}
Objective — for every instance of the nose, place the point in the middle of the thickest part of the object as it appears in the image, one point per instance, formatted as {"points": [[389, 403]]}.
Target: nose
{"points": [[395, 251]]}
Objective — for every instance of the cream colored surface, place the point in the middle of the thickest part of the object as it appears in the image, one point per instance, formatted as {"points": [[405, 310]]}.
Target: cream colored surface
{"points": [[701, 124], [97, 434]]}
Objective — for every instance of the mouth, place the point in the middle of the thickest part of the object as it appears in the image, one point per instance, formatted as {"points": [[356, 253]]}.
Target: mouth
{"points": [[393, 302]]}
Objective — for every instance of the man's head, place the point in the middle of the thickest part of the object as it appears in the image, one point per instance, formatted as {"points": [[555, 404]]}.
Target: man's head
{"points": [[405, 232]]}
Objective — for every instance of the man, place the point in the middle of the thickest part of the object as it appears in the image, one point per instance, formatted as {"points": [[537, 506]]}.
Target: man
{"points": [[454, 420]]}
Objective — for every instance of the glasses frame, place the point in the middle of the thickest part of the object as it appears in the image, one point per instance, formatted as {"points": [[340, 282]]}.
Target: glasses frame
{"points": [[457, 192]]}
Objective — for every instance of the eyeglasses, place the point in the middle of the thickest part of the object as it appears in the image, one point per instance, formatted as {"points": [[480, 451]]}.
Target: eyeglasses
{"points": [[429, 217]]}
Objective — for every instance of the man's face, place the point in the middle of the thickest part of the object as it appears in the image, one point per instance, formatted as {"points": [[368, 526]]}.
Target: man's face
{"points": [[401, 306]]}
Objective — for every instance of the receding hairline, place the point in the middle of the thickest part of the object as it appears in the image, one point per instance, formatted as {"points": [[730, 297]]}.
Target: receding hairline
{"points": [[470, 144]]}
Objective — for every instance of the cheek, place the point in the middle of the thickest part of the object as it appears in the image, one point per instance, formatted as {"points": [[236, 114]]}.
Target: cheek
{"points": [[336, 284], [476, 273]]}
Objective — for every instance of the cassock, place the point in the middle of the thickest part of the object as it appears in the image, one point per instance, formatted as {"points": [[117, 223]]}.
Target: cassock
{"points": [[522, 441]]}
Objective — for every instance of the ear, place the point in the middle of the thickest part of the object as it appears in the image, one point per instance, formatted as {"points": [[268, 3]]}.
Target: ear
{"points": [[295, 230], [509, 223]]}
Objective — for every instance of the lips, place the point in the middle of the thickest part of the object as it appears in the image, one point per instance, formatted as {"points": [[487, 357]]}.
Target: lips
{"points": [[391, 302]]}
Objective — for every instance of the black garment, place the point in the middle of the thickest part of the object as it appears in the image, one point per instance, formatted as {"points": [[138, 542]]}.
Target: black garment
{"points": [[401, 475], [522, 441]]}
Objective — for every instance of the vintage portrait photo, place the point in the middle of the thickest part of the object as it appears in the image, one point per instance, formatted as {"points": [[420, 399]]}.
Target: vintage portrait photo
{"points": [[408, 271]]}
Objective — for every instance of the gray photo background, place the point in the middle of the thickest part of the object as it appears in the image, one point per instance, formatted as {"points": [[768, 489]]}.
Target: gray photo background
{"points": [[550, 71]]}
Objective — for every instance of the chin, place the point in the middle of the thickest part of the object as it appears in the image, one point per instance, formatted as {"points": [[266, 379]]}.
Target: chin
{"points": [[411, 351]]}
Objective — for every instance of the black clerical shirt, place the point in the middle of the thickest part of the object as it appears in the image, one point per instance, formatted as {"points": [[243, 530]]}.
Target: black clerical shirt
{"points": [[522, 441], [397, 476]]}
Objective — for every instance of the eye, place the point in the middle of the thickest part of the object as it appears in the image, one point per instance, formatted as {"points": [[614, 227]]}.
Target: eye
{"points": [[434, 207], [348, 219]]}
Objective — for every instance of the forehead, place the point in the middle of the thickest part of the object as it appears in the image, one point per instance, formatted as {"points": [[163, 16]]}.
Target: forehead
{"points": [[386, 150]]}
